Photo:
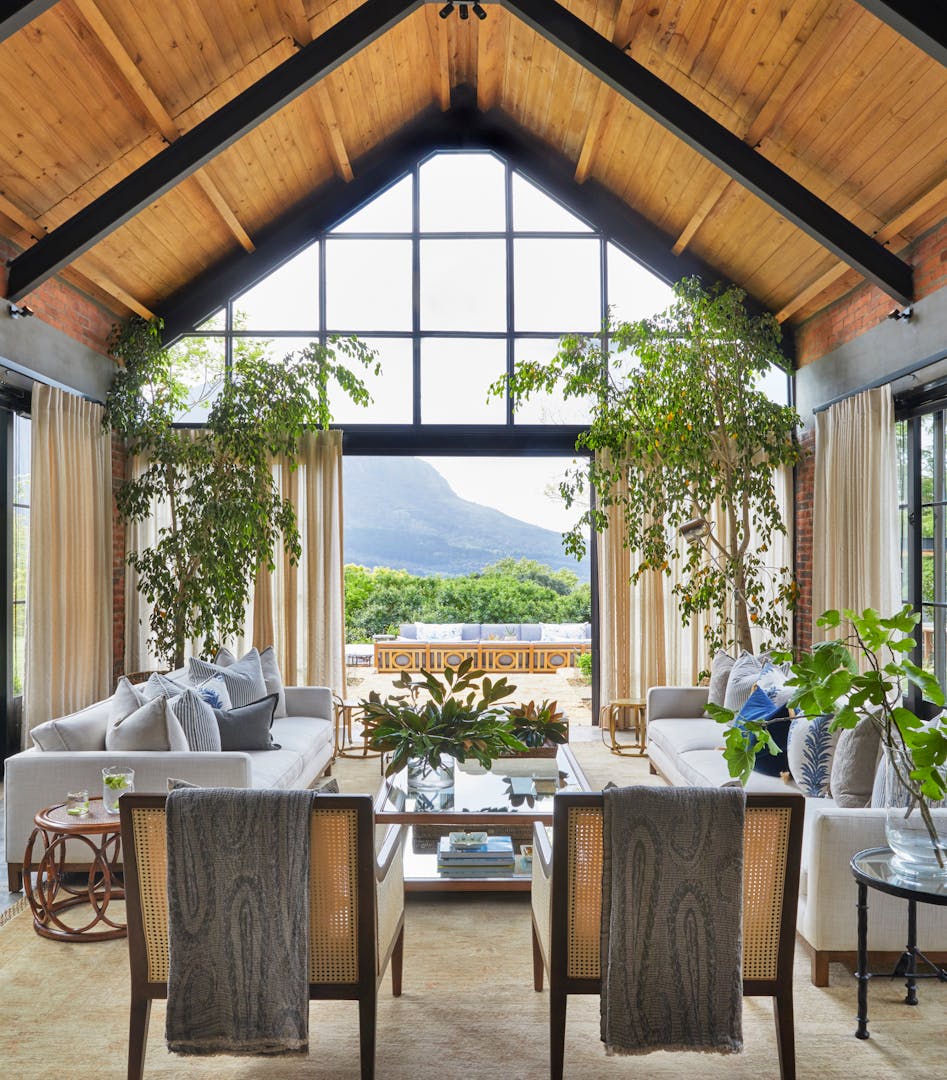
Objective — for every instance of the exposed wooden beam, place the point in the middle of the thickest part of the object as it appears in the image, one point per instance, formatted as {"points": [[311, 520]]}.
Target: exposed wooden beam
{"points": [[16, 15], [936, 195], [491, 59], [922, 22], [702, 133], [440, 34], [204, 142], [159, 115], [294, 14]]}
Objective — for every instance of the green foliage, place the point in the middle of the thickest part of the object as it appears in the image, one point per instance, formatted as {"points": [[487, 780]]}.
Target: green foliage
{"points": [[584, 664], [509, 591], [685, 435], [461, 718], [226, 512], [536, 725], [863, 673]]}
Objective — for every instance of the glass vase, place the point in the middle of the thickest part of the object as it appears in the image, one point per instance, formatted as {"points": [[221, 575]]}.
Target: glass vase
{"points": [[116, 780], [917, 853], [422, 776]]}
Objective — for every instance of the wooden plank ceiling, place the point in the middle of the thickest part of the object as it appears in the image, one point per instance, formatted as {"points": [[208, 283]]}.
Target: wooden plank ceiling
{"points": [[821, 88]]}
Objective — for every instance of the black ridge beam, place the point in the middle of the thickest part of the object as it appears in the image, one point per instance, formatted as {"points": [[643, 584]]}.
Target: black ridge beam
{"points": [[15, 16], [203, 142], [922, 22], [716, 143]]}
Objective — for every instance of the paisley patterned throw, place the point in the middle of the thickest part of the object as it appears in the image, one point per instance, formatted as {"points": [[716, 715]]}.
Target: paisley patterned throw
{"points": [[672, 908]]}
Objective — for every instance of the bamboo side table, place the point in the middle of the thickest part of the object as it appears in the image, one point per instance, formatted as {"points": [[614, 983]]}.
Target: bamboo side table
{"points": [[610, 714], [53, 894], [345, 747]]}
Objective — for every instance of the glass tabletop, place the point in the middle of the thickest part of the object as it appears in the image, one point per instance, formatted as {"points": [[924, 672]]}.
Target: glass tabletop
{"points": [[879, 868]]}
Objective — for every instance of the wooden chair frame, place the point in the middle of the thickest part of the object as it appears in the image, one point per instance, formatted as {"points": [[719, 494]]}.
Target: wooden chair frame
{"points": [[370, 965], [553, 861]]}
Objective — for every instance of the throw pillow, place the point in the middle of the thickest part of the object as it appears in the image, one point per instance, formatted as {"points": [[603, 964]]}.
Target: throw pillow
{"points": [[214, 691], [562, 631], [272, 676], [82, 730], [159, 685], [328, 785], [439, 631], [243, 679], [772, 682], [152, 727], [720, 668], [126, 699], [811, 750], [247, 727], [759, 707], [174, 783], [854, 764], [197, 720], [743, 677]]}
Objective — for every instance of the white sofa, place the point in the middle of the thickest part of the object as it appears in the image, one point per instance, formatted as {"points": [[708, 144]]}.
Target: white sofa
{"points": [[35, 778], [685, 747]]}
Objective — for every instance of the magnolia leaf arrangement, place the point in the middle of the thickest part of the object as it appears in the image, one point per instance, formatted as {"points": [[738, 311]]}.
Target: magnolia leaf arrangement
{"points": [[681, 432], [538, 725], [863, 674]]}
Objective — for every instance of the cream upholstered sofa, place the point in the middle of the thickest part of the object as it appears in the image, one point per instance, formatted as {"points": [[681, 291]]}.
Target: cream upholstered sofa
{"points": [[685, 747], [34, 778]]}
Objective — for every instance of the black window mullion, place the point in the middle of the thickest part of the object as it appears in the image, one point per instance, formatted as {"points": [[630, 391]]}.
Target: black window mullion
{"points": [[416, 292], [7, 483], [510, 300]]}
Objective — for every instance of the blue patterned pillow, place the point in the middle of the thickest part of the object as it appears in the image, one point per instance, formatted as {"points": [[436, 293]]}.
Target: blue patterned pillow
{"points": [[811, 749], [214, 691]]}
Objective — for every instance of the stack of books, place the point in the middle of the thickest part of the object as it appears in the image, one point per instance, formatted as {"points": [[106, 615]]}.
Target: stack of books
{"points": [[490, 855]]}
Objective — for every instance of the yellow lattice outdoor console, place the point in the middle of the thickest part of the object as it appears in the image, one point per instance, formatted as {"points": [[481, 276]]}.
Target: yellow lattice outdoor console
{"points": [[567, 909], [356, 911], [511, 656]]}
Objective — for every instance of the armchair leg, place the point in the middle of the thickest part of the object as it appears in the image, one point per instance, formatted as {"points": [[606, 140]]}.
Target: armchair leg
{"points": [[819, 967], [785, 1034], [537, 961], [397, 963], [557, 1033], [367, 1015], [138, 1036], [14, 877]]}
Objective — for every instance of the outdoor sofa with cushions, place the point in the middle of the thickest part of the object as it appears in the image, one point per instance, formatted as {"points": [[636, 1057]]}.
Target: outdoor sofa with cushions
{"points": [[37, 778], [685, 747], [522, 647]]}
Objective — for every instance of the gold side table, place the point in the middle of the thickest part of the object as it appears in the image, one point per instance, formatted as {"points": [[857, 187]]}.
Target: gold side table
{"points": [[345, 747], [609, 715]]}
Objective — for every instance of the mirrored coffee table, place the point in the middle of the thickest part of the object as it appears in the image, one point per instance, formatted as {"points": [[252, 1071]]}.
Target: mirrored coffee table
{"points": [[504, 801]]}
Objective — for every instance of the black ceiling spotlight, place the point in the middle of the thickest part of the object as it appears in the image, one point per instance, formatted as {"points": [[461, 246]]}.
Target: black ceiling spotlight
{"points": [[20, 311], [479, 12], [464, 12], [905, 313], [446, 9]]}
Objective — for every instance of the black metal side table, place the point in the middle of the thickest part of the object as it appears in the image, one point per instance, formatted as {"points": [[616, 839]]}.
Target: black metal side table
{"points": [[875, 868]]}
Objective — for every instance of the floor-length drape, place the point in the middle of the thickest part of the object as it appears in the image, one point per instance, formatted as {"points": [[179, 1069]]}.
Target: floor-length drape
{"points": [[69, 586], [855, 507]]}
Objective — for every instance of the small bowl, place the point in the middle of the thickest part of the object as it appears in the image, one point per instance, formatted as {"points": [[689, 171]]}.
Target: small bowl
{"points": [[526, 850]]}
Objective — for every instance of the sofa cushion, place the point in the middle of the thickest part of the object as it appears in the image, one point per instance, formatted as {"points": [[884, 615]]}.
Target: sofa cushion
{"points": [[247, 727], [743, 677], [562, 632], [810, 752], [151, 727], [720, 668], [302, 740], [708, 768], [272, 676], [198, 721], [82, 730], [853, 765], [438, 631], [530, 631], [679, 736], [494, 631], [243, 679]]}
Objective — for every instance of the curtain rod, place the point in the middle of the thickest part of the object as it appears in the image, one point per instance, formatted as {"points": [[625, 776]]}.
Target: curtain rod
{"points": [[883, 380]]}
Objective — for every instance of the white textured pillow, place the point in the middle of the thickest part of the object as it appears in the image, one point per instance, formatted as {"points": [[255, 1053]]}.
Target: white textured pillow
{"points": [[83, 730], [565, 631], [272, 675], [448, 631], [126, 699], [152, 727], [743, 677], [243, 679]]}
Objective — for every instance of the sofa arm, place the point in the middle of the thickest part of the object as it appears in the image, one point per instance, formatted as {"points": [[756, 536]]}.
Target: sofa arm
{"points": [[35, 779], [309, 701], [676, 702]]}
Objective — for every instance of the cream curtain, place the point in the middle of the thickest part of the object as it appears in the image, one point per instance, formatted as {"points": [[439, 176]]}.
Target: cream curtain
{"points": [[69, 586], [855, 559], [300, 610]]}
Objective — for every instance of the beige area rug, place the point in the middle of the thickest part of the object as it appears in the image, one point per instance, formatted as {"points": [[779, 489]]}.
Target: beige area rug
{"points": [[468, 1010]]}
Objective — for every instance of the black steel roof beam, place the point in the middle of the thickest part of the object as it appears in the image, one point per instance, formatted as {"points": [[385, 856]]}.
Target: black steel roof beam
{"points": [[16, 15], [920, 21], [711, 139], [202, 143]]}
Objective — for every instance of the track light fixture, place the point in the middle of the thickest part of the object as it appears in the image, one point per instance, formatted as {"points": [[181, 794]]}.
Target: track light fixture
{"points": [[463, 10], [20, 311], [905, 313], [479, 12], [446, 9]]}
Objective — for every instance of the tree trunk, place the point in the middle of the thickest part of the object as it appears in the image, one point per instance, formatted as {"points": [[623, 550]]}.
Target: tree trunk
{"points": [[741, 614]]}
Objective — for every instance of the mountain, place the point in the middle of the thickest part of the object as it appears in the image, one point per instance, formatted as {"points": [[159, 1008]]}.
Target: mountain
{"points": [[400, 512]]}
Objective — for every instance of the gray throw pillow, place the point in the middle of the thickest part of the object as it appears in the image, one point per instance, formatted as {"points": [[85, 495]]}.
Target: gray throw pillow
{"points": [[83, 730], [152, 727], [743, 676], [272, 676], [328, 785], [243, 679], [720, 669], [174, 783], [159, 685], [247, 727], [854, 765], [126, 699], [197, 720]]}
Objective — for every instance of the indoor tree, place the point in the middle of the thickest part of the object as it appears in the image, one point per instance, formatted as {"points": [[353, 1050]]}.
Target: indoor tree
{"points": [[225, 511], [683, 437]]}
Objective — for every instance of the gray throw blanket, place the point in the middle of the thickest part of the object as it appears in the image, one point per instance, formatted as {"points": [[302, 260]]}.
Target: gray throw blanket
{"points": [[672, 920], [238, 921]]}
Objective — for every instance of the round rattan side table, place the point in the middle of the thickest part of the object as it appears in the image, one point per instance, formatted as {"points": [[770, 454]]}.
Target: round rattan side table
{"points": [[55, 891]]}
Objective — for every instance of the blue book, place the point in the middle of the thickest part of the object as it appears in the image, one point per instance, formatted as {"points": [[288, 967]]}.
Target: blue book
{"points": [[496, 849]]}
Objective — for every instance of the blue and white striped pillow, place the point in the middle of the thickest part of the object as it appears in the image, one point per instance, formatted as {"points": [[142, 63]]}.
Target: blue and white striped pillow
{"points": [[197, 719]]}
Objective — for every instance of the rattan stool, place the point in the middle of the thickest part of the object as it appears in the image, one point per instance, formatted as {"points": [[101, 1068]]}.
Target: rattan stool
{"points": [[609, 716]]}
